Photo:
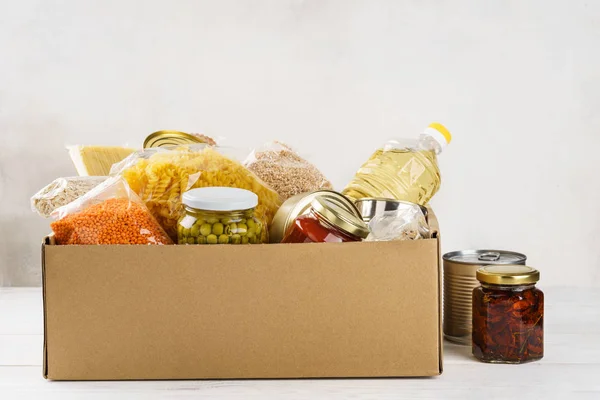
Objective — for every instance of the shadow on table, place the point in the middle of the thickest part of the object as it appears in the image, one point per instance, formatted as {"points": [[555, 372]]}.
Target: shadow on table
{"points": [[457, 350]]}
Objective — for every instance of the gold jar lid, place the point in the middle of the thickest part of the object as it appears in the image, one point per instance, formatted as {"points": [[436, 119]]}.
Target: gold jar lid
{"points": [[508, 274], [174, 138], [340, 217]]}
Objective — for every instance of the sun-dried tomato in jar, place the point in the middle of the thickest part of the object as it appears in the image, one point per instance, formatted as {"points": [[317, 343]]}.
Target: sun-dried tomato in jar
{"points": [[508, 315], [326, 222]]}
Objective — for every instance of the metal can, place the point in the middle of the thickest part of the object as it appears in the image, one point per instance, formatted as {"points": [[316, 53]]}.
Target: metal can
{"points": [[175, 138], [300, 204], [370, 207], [459, 281]]}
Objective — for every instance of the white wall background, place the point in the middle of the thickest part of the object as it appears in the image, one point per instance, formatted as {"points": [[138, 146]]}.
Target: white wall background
{"points": [[517, 82]]}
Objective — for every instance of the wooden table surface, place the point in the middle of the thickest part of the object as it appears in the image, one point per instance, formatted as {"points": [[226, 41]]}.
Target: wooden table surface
{"points": [[570, 368]]}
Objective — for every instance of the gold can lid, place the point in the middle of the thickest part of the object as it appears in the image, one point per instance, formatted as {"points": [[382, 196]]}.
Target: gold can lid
{"points": [[340, 217], [171, 138], [508, 274]]}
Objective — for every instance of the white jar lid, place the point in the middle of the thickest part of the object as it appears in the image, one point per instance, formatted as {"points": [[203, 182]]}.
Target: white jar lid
{"points": [[220, 199]]}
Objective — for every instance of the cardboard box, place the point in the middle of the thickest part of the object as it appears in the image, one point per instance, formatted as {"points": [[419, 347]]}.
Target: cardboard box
{"points": [[257, 311]]}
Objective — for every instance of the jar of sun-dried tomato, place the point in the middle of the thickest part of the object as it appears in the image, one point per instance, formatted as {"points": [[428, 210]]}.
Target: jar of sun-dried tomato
{"points": [[326, 222], [508, 315]]}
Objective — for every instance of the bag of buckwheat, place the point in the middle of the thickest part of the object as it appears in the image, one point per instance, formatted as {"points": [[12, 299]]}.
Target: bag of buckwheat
{"points": [[282, 169]]}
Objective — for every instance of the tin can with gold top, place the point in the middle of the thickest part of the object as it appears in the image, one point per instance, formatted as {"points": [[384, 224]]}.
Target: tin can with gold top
{"points": [[460, 269], [167, 138]]}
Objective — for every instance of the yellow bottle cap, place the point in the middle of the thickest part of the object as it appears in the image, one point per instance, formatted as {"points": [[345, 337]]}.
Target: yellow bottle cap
{"points": [[441, 129]]}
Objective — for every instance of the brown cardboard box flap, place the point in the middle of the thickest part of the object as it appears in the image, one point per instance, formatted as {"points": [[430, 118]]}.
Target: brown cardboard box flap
{"points": [[262, 311]]}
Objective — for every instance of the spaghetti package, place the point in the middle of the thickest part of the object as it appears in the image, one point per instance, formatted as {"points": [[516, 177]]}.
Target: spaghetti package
{"points": [[96, 160], [160, 176], [110, 213]]}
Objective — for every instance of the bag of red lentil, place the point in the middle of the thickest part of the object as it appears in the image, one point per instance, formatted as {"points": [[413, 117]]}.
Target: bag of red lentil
{"points": [[282, 169], [111, 213]]}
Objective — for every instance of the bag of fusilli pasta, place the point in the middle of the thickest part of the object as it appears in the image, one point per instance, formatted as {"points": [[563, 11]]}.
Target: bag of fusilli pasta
{"points": [[160, 176]]}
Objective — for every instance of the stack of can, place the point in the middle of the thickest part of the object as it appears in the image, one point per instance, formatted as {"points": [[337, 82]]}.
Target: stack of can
{"points": [[459, 282]]}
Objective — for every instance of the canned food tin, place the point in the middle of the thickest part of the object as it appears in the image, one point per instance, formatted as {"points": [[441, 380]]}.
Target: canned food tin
{"points": [[459, 282], [370, 207], [174, 138], [299, 205]]}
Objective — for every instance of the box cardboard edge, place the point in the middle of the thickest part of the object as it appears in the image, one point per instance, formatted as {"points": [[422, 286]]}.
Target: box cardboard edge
{"points": [[47, 240], [435, 233], [440, 283]]}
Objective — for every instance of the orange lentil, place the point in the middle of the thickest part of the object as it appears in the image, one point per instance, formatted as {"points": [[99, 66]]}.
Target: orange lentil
{"points": [[114, 221]]}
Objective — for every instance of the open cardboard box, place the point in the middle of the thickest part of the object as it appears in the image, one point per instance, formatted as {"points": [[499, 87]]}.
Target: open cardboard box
{"points": [[256, 311]]}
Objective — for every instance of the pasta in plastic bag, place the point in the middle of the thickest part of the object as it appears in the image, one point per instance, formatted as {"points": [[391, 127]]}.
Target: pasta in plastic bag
{"points": [[161, 175], [111, 213], [285, 171], [61, 192]]}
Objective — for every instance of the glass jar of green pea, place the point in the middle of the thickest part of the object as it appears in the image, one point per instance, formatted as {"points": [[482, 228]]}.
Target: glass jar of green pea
{"points": [[219, 215]]}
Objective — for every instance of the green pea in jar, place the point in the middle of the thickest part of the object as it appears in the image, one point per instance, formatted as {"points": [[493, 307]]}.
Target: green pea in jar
{"points": [[219, 215]]}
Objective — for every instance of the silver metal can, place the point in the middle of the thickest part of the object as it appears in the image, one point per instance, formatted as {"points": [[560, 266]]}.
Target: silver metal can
{"points": [[459, 282], [371, 207]]}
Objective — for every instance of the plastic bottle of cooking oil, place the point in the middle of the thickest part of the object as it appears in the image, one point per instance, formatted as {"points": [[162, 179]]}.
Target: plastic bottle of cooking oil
{"points": [[403, 169]]}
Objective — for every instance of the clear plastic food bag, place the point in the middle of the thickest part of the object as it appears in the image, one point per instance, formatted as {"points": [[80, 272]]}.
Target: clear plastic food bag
{"points": [[110, 213], [61, 192], [402, 224], [96, 160], [285, 171], [160, 176]]}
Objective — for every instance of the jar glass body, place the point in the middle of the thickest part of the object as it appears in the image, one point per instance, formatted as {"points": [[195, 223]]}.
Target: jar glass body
{"points": [[508, 323], [311, 228], [220, 227]]}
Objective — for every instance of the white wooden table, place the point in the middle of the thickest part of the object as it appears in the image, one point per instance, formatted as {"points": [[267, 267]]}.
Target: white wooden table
{"points": [[570, 368]]}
